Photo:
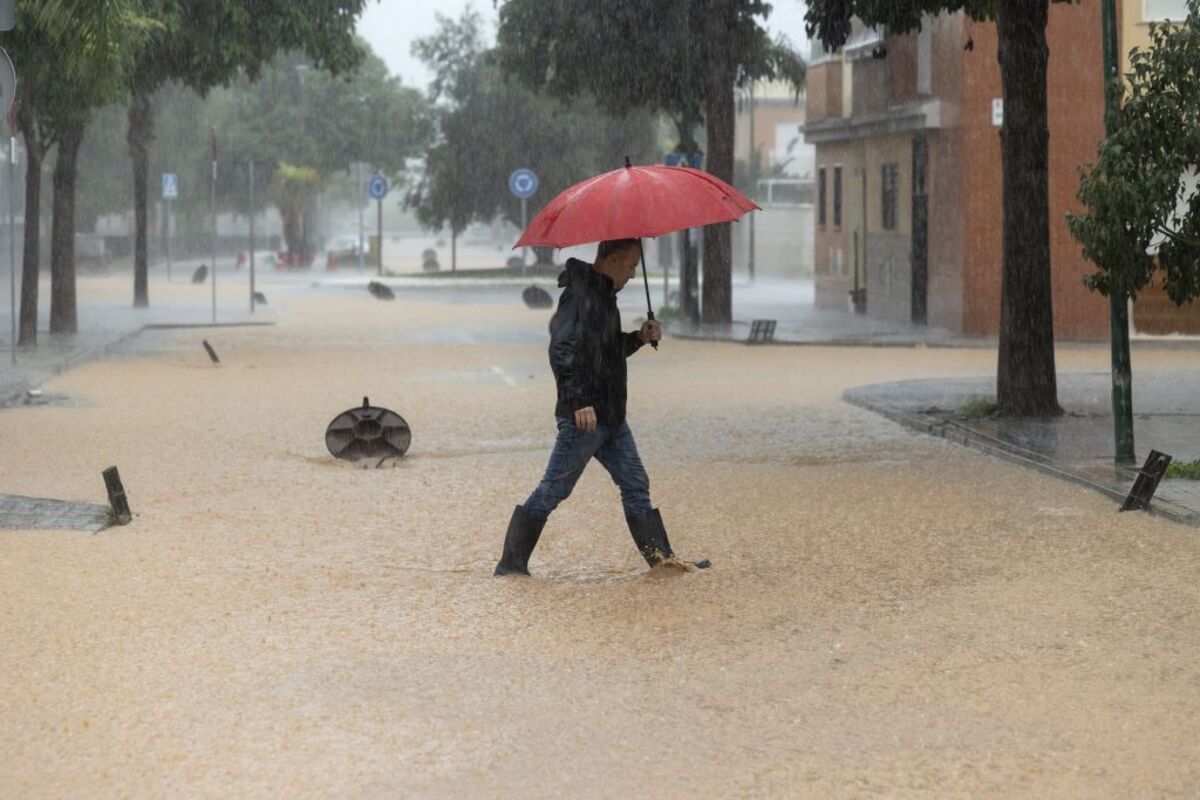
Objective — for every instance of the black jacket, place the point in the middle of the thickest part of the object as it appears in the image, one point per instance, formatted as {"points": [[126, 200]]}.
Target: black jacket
{"points": [[587, 348]]}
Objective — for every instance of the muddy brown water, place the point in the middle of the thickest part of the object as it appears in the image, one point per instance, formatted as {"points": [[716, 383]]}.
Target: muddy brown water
{"points": [[886, 614]]}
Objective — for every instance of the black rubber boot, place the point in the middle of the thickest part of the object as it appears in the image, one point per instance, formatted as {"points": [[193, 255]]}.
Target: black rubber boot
{"points": [[650, 536], [522, 537]]}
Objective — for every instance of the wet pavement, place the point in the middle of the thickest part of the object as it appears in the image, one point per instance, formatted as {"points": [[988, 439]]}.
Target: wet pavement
{"points": [[1078, 446], [38, 513], [882, 617]]}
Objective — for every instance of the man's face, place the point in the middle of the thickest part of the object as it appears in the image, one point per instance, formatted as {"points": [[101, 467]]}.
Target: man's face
{"points": [[623, 266]]}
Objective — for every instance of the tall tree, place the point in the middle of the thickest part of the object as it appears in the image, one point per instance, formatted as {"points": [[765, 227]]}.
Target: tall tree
{"points": [[1026, 383], [207, 43], [309, 119], [71, 56], [488, 126], [631, 54]]}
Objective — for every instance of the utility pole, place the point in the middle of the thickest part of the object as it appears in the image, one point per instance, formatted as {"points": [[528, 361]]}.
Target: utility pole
{"points": [[213, 207], [1118, 297], [252, 237]]}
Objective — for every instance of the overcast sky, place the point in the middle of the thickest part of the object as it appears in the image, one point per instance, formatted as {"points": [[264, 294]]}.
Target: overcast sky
{"points": [[392, 25]]}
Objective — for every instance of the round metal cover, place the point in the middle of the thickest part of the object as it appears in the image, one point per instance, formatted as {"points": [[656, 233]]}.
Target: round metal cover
{"points": [[368, 432]]}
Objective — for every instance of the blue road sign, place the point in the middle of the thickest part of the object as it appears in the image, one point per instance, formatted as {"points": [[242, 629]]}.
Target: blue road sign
{"points": [[378, 187], [170, 186], [523, 183]]}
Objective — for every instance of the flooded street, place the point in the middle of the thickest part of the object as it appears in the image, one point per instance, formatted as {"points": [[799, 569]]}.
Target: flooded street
{"points": [[886, 613]]}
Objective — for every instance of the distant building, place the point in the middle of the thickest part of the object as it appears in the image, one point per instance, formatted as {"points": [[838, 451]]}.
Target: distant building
{"points": [[782, 181], [908, 178]]}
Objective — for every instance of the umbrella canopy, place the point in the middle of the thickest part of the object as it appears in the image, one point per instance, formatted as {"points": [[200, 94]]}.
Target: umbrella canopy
{"points": [[635, 203]]}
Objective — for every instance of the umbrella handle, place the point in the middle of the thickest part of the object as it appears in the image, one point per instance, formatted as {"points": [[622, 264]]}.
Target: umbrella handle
{"points": [[646, 280]]}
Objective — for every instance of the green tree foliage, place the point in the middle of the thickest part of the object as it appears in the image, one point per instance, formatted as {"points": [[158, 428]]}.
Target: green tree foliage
{"points": [[208, 43], [488, 126], [1026, 383], [1143, 207], [71, 57], [677, 58]]}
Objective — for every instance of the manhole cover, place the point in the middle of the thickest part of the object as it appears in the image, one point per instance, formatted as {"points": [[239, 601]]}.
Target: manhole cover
{"points": [[367, 432]]}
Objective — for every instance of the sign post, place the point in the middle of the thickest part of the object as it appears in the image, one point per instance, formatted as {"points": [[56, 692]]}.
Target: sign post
{"points": [[213, 206], [358, 172], [170, 191], [378, 188], [8, 86], [523, 183], [252, 210]]}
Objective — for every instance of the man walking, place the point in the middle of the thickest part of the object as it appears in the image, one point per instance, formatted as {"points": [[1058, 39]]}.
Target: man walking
{"points": [[587, 354]]}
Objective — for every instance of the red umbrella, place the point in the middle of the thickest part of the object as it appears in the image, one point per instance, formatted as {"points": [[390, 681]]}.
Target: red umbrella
{"points": [[635, 203]]}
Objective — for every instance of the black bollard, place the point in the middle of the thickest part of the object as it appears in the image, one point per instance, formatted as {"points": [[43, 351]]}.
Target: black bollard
{"points": [[380, 292], [537, 297], [116, 496]]}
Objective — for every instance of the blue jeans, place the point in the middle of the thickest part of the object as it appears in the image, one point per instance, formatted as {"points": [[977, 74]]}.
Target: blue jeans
{"points": [[614, 448]]}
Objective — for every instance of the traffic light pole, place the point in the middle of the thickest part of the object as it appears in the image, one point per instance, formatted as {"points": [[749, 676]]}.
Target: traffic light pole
{"points": [[1118, 297]]}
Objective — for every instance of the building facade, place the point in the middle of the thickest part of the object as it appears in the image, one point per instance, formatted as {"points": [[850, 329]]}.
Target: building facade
{"points": [[773, 158], [909, 184]]}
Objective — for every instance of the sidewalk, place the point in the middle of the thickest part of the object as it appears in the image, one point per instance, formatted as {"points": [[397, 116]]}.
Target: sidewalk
{"points": [[799, 322], [1077, 446], [106, 319]]}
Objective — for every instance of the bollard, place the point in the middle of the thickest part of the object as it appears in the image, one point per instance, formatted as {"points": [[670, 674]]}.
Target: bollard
{"points": [[116, 496]]}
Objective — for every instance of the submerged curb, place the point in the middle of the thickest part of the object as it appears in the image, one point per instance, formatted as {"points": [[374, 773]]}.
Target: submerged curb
{"points": [[84, 356], [966, 436]]}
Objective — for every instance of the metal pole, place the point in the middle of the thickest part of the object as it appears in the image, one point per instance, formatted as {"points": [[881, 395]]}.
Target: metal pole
{"points": [[168, 222], [379, 203], [1118, 297], [251, 237], [12, 242], [358, 197], [213, 207], [524, 225], [753, 178]]}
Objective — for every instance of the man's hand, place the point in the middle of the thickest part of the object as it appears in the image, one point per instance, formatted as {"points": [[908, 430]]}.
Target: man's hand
{"points": [[585, 419], [651, 331]]}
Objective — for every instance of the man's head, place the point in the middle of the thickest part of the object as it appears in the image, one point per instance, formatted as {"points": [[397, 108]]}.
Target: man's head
{"points": [[618, 259]]}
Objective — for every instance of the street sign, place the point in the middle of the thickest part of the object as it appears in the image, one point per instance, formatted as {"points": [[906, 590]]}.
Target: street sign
{"points": [[8, 82], [378, 186], [170, 186], [523, 183]]}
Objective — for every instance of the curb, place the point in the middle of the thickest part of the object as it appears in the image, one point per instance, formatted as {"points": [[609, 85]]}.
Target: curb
{"points": [[101, 350], [965, 436]]}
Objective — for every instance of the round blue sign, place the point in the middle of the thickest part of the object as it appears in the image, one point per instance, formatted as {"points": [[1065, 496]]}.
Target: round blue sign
{"points": [[378, 187], [523, 183]]}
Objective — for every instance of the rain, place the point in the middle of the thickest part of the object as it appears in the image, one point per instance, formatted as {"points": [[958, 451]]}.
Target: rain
{"points": [[700, 398]]}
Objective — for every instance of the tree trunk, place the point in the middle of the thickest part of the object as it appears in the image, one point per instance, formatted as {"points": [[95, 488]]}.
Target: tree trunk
{"points": [[453, 249], [62, 234], [139, 137], [31, 255], [717, 293], [1025, 378]]}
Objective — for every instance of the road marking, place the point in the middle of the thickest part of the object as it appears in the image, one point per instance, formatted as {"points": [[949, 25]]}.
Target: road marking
{"points": [[504, 376]]}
